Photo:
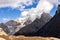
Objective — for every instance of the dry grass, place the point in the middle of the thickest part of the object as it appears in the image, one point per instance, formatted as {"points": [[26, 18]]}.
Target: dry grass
{"points": [[26, 38], [4, 36]]}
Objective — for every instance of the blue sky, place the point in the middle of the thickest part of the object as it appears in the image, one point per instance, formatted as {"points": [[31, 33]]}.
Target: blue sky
{"points": [[8, 12], [53, 11]]}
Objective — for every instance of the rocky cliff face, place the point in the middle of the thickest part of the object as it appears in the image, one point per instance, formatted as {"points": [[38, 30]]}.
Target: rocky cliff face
{"points": [[34, 26], [52, 28], [37, 28], [12, 27], [4, 27]]}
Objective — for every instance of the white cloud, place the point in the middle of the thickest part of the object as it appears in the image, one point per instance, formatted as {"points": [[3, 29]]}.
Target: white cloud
{"points": [[58, 1], [45, 5], [5, 19], [17, 3], [54, 2], [24, 13], [5, 3], [14, 3]]}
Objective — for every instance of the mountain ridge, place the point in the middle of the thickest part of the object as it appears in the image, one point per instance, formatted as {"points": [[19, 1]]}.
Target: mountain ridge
{"points": [[34, 26]]}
